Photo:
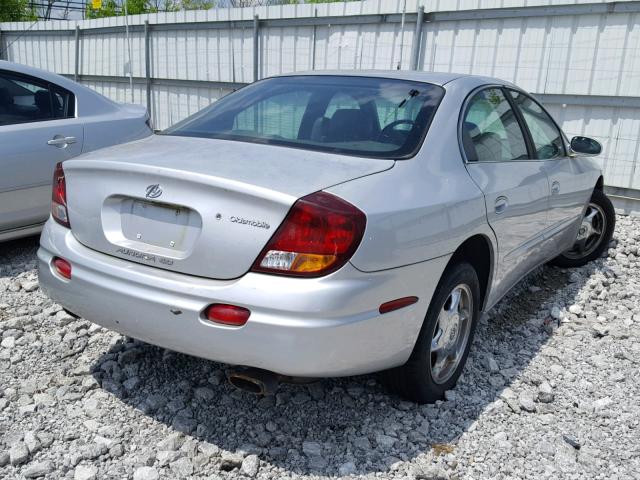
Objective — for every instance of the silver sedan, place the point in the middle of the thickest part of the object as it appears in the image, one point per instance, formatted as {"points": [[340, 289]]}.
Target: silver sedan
{"points": [[326, 224], [45, 119]]}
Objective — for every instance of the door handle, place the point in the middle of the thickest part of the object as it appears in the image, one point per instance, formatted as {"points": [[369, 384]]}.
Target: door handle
{"points": [[555, 188], [60, 141], [501, 204]]}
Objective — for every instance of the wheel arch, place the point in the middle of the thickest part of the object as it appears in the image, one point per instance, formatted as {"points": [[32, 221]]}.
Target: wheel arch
{"points": [[478, 251], [600, 183]]}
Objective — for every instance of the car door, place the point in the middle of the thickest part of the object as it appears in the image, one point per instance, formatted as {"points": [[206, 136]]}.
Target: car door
{"points": [[38, 128], [570, 182], [515, 186]]}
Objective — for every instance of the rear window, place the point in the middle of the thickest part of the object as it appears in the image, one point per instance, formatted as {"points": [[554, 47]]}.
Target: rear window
{"points": [[372, 117]]}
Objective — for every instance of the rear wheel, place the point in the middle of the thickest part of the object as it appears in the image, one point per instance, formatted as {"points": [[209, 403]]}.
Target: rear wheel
{"points": [[594, 234], [442, 347]]}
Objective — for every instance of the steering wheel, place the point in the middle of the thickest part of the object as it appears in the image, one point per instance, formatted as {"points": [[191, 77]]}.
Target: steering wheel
{"points": [[389, 134]]}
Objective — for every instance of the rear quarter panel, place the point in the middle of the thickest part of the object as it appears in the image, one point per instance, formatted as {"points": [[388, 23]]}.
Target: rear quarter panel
{"points": [[424, 207], [121, 126]]}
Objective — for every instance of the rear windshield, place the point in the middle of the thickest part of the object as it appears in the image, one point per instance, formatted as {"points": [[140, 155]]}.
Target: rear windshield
{"points": [[364, 116]]}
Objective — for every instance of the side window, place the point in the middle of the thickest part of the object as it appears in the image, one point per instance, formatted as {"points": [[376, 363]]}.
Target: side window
{"points": [[546, 137], [278, 116], [490, 129], [25, 100]]}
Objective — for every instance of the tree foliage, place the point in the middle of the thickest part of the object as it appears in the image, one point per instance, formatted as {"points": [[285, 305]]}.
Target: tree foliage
{"points": [[16, 11], [111, 8]]}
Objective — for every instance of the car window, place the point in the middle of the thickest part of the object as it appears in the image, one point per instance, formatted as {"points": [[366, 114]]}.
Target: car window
{"points": [[25, 99], [341, 101], [490, 129], [373, 117], [546, 137], [278, 116]]}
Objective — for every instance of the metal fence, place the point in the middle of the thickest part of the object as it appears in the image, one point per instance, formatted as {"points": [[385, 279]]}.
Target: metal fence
{"points": [[582, 59]]}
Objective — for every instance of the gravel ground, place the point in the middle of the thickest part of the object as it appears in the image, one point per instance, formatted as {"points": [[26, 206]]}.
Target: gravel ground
{"points": [[551, 390]]}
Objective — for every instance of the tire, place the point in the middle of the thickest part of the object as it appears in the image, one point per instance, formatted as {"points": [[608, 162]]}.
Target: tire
{"points": [[574, 257], [419, 380]]}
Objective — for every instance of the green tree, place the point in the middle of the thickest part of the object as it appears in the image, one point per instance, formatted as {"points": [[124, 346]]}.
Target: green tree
{"points": [[111, 8], [16, 11]]}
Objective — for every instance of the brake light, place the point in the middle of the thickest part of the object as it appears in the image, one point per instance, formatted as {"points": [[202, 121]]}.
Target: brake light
{"points": [[318, 236], [227, 314], [59, 197]]}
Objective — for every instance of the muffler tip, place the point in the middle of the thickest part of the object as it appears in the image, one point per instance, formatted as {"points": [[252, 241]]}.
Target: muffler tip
{"points": [[254, 380]]}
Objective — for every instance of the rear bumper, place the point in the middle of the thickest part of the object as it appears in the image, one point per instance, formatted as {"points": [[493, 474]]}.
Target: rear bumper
{"points": [[300, 327]]}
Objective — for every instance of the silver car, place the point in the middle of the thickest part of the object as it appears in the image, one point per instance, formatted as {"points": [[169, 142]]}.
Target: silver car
{"points": [[45, 119], [326, 224]]}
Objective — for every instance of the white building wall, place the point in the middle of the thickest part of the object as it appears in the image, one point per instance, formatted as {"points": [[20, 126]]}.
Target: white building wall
{"points": [[579, 56]]}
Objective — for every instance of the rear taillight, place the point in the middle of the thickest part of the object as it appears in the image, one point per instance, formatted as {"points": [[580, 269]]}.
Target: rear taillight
{"points": [[59, 197], [318, 236]]}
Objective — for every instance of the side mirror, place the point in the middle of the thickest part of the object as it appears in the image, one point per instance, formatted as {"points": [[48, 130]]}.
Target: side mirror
{"points": [[585, 146]]}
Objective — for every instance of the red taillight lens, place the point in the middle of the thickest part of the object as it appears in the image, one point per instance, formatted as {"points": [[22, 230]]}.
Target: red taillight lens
{"points": [[397, 304], [227, 314], [318, 236], [62, 267], [59, 197]]}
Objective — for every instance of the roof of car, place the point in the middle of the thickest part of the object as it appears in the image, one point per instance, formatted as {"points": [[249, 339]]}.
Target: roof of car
{"points": [[36, 72], [437, 78], [87, 100]]}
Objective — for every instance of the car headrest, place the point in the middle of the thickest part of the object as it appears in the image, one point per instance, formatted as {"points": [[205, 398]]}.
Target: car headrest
{"points": [[490, 147], [6, 99], [42, 100], [349, 124]]}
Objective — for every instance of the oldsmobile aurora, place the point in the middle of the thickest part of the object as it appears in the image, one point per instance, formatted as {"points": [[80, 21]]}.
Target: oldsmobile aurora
{"points": [[326, 224]]}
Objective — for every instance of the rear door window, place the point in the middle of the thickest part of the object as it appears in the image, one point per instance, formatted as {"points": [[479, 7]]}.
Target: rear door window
{"points": [[26, 99], [490, 129]]}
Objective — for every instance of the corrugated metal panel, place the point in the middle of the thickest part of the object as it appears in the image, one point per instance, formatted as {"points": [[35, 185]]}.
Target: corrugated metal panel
{"points": [[590, 54]]}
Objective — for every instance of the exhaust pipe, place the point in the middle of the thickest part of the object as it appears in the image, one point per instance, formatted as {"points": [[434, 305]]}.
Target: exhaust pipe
{"points": [[254, 380]]}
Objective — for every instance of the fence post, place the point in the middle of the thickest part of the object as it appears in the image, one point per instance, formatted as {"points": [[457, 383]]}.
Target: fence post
{"points": [[147, 64], [417, 40], [76, 71], [256, 57], [313, 41]]}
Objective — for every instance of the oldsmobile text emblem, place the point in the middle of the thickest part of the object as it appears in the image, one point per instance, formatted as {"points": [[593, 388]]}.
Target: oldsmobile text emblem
{"points": [[253, 223], [154, 191]]}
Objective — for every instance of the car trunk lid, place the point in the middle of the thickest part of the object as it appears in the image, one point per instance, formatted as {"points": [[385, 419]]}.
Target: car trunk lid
{"points": [[198, 206]]}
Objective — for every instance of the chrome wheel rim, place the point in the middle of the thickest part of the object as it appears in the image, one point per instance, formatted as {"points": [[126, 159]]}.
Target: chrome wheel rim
{"points": [[590, 233], [451, 334]]}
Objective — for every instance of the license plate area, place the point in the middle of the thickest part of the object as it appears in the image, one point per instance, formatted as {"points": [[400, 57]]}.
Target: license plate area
{"points": [[156, 224], [151, 227]]}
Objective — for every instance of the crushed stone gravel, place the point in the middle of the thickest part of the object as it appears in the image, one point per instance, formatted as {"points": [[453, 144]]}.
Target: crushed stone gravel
{"points": [[551, 390]]}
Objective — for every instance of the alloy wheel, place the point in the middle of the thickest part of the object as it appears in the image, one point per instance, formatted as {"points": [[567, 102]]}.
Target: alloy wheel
{"points": [[451, 334], [591, 232]]}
